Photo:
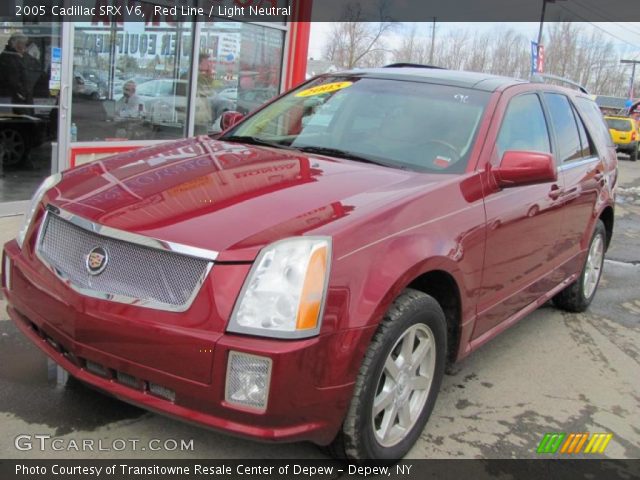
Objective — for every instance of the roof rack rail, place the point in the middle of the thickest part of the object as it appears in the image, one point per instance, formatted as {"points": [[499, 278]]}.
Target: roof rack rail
{"points": [[412, 65], [541, 77]]}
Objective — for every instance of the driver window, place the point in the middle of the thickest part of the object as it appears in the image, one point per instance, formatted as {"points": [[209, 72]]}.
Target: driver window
{"points": [[524, 127]]}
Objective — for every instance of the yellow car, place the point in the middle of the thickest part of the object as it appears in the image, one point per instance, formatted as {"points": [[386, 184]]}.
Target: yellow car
{"points": [[624, 133]]}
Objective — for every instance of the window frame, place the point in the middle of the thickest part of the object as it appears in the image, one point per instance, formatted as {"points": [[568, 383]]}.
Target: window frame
{"points": [[592, 144], [572, 107], [545, 115], [580, 102]]}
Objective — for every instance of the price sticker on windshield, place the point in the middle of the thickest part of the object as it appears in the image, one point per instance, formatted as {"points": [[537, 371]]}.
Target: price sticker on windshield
{"points": [[321, 89]]}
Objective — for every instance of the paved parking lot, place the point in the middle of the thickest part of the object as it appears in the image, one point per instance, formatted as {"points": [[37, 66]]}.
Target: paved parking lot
{"points": [[552, 372]]}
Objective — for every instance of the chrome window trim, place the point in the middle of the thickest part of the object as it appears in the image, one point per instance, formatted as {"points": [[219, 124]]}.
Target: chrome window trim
{"points": [[131, 238], [7, 272], [577, 163]]}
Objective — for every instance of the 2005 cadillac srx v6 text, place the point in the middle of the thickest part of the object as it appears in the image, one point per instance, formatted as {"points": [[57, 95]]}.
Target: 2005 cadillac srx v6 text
{"points": [[309, 273]]}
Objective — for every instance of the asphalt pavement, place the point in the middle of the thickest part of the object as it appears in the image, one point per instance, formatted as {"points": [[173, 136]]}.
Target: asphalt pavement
{"points": [[552, 372]]}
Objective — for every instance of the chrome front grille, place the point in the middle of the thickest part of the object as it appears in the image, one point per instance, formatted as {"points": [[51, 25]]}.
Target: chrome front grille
{"points": [[134, 274]]}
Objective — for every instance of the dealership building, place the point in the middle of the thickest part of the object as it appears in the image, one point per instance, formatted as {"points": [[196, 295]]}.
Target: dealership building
{"points": [[93, 88]]}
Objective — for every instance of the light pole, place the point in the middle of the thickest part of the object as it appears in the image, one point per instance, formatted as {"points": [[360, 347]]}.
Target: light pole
{"points": [[633, 75]]}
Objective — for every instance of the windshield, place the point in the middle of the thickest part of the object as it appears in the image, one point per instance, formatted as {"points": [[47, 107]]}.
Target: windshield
{"points": [[619, 124], [402, 124]]}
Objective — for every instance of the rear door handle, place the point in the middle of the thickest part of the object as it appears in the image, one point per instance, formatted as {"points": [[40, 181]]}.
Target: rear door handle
{"points": [[598, 176]]}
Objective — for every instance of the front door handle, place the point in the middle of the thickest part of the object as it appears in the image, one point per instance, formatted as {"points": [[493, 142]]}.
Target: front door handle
{"points": [[555, 192]]}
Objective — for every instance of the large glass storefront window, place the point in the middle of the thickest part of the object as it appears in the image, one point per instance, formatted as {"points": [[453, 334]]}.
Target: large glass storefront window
{"points": [[30, 57], [239, 69], [131, 81]]}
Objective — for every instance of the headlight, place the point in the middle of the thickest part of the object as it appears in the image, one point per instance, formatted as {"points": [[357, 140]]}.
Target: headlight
{"points": [[284, 293], [46, 185]]}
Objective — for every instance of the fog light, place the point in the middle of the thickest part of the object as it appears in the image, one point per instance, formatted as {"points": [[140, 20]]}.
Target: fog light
{"points": [[7, 272], [128, 380], [248, 378], [96, 368], [164, 392]]}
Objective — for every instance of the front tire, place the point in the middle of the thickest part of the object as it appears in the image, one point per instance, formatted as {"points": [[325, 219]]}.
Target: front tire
{"points": [[15, 146], [578, 296], [398, 382]]}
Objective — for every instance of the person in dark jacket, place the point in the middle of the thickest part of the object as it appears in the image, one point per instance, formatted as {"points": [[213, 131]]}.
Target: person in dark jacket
{"points": [[14, 79]]}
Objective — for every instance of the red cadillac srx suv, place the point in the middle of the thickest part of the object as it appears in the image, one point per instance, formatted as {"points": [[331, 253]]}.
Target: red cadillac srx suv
{"points": [[308, 274]]}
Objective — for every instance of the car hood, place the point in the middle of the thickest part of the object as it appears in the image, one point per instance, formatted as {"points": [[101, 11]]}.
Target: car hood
{"points": [[228, 197]]}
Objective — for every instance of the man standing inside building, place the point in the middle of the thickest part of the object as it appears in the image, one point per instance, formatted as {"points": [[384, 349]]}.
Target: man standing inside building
{"points": [[13, 80]]}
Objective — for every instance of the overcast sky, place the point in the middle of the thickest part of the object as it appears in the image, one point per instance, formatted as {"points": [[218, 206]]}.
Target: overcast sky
{"points": [[626, 35]]}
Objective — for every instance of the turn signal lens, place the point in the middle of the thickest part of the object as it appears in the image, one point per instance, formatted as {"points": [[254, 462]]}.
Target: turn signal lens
{"points": [[313, 290]]}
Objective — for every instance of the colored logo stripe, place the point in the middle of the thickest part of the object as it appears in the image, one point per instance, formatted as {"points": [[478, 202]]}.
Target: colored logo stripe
{"points": [[550, 442], [574, 443], [558, 442], [598, 442]]}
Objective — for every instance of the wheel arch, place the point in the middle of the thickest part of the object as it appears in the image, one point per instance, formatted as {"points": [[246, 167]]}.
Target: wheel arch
{"points": [[607, 217], [442, 286]]}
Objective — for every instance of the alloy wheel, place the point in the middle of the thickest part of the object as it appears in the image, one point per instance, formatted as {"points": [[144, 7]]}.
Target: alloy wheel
{"points": [[404, 385]]}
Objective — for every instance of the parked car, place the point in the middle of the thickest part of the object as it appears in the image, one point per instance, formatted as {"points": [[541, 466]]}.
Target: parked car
{"points": [[290, 284], [97, 78], [19, 134], [625, 134], [86, 88]]}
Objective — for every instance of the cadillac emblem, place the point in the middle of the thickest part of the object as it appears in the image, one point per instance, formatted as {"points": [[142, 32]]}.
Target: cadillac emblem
{"points": [[96, 261]]}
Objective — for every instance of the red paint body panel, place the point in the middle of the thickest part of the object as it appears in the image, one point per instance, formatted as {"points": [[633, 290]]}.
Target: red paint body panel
{"points": [[506, 250]]}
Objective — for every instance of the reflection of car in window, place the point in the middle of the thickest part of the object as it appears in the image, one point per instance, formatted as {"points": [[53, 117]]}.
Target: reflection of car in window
{"points": [[229, 94], [249, 100], [165, 103], [86, 88]]}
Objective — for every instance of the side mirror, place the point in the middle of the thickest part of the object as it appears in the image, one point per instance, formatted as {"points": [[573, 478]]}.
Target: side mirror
{"points": [[229, 119], [525, 168]]}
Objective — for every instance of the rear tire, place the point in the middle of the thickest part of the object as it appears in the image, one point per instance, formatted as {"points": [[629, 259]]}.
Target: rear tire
{"points": [[398, 383], [633, 154], [577, 296]]}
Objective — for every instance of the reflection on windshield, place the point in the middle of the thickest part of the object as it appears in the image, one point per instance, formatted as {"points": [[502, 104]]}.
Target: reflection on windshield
{"points": [[413, 125]]}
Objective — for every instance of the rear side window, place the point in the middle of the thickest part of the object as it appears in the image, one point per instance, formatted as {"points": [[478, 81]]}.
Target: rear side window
{"points": [[594, 121], [588, 149], [524, 126], [619, 124], [565, 127]]}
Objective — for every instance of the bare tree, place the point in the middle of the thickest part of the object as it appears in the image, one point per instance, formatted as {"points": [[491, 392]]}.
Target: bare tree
{"points": [[355, 42], [412, 49], [479, 53], [590, 60], [587, 58]]}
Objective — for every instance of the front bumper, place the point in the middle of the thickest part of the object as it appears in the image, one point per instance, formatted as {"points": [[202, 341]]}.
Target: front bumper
{"points": [[101, 344]]}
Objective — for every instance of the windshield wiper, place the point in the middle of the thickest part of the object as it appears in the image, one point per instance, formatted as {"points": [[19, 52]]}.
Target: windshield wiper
{"points": [[253, 141], [336, 152]]}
